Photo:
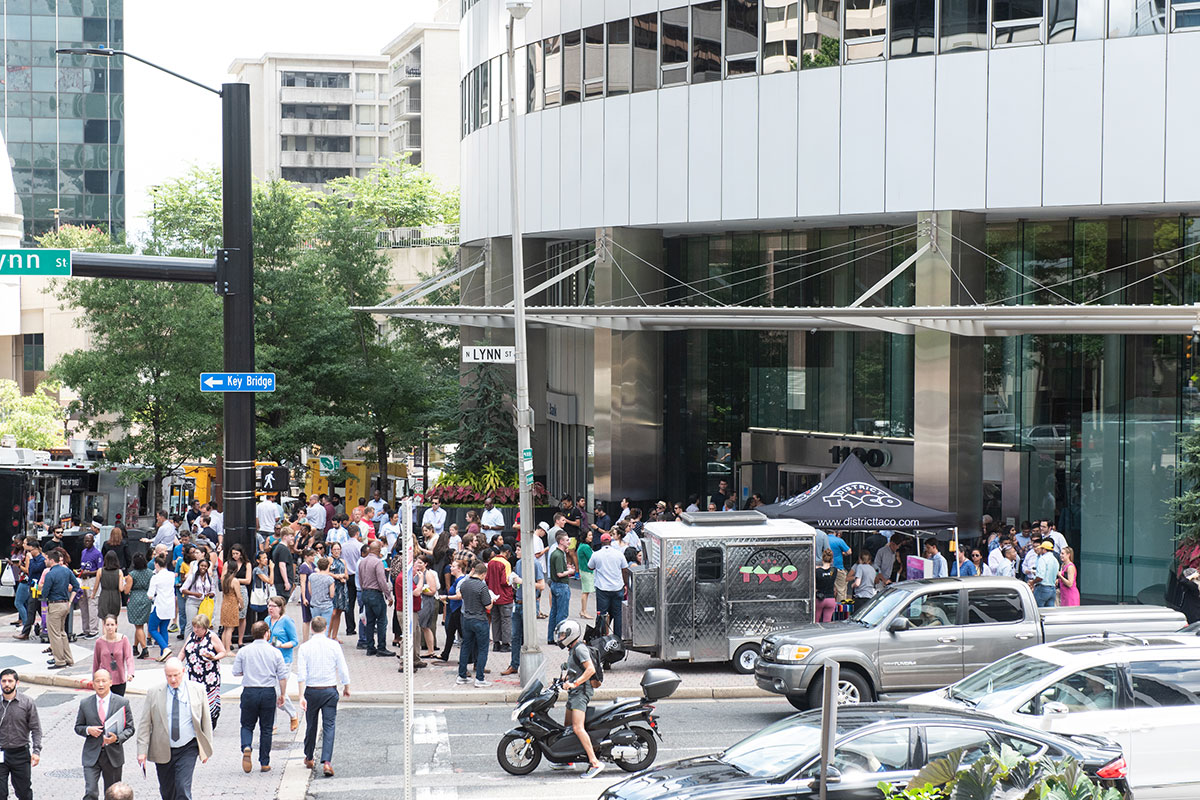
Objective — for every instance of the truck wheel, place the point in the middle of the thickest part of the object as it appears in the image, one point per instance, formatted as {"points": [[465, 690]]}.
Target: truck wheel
{"points": [[852, 689], [798, 701], [745, 657]]}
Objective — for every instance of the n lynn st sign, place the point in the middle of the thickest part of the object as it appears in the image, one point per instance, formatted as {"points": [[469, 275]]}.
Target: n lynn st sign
{"points": [[488, 354]]}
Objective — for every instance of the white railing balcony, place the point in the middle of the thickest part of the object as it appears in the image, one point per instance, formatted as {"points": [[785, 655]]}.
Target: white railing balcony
{"points": [[428, 236]]}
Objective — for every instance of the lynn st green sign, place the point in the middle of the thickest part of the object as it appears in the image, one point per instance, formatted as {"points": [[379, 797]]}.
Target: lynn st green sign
{"points": [[42, 262]]}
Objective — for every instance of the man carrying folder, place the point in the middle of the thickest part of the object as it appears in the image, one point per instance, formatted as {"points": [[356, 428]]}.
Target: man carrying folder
{"points": [[106, 722]]}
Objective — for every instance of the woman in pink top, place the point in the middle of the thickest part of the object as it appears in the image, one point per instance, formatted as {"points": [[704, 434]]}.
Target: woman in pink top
{"points": [[114, 653], [1068, 580]]}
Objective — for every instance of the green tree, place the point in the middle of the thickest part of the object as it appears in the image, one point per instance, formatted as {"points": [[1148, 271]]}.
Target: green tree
{"points": [[185, 219], [1185, 508], [397, 194], [828, 54], [486, 428], [35, 420], [137, 382]]}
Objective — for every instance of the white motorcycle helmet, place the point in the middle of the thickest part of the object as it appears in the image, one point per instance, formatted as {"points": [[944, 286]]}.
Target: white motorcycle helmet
{"points": [[567, 633]]}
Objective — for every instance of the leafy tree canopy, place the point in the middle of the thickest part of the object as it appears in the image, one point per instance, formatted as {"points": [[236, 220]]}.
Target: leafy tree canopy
{"points": [[35, 420], [397, 194]]}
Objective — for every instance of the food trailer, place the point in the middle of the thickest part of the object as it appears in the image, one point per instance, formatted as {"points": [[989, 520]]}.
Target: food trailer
{"points": [[713, 584]]}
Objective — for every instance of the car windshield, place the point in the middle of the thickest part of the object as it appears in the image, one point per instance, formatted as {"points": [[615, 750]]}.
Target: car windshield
{"points": [[777, 748], [881, 606], [996, 683]]}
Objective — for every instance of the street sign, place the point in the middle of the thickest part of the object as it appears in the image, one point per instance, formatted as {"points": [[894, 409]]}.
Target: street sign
{"points": [[329, 465], [529, 479], [47, 262], [274, 479], [237, 381], [489, 355]]}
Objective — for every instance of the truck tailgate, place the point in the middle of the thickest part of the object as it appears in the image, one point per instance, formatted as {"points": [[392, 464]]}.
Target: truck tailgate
{"points": [[1059, 623]]}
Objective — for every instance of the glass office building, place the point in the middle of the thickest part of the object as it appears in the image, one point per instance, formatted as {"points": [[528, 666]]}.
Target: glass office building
{"points": [[956, 238], [64, 115]]}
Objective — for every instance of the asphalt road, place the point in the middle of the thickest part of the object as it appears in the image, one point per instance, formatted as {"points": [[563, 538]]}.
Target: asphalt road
{"points": [[455, 750]]}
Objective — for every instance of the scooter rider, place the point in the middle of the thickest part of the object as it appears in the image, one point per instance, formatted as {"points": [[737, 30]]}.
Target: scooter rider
{"points": [[569, 635]]}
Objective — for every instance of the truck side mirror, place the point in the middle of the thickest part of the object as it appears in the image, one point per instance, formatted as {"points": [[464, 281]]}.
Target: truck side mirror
{"points": [[898, 624]]}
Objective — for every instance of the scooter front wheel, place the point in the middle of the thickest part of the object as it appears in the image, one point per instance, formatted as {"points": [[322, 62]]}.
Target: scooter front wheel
{"points": [[647, 751], [518, 755]]}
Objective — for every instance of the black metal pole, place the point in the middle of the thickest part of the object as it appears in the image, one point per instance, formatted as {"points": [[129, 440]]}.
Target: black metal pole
{"points": [[238, 289]]}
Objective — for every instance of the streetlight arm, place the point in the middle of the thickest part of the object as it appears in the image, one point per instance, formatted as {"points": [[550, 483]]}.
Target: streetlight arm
{"points": [[108, 52]]}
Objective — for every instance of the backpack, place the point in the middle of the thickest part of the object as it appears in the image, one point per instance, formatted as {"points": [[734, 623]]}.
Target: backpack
{"points": [[597, 662]]}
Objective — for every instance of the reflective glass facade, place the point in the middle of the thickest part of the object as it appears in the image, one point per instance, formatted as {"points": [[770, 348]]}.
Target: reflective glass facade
{"points": [[64, 115]]}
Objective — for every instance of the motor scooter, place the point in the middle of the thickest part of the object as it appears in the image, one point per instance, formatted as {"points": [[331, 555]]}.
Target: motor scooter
{"points": [[622, 732]]}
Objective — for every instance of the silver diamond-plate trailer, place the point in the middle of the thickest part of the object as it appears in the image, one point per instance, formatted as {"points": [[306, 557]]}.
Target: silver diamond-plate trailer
{"points": [[713, 582]]}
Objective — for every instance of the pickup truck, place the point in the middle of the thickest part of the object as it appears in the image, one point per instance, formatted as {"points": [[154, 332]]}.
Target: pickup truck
{"points": [[925, 634]]}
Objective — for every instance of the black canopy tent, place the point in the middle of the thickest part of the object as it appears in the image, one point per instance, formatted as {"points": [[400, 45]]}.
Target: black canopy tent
{"points": [[851, 499]]}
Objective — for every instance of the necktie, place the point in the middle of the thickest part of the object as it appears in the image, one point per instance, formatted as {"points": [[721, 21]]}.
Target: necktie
{"points": [[174, 715], [100, 707]]}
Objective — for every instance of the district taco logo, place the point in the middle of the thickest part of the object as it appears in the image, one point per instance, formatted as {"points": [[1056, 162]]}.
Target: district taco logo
{"points": [[857, 494], [769, 565]]}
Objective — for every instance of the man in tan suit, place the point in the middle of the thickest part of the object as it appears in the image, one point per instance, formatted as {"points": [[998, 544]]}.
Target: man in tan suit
{"points": [[175, 728]]}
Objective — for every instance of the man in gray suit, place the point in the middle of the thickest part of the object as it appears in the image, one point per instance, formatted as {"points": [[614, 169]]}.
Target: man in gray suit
{"points": [[174, 730], [105, 720]]}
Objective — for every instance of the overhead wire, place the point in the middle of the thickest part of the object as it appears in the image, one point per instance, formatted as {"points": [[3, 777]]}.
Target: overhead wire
{"points": [[963, 241]]}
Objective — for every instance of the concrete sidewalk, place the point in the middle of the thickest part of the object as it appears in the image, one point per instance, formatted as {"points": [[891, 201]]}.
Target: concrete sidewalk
{"points": [[378, 679]]}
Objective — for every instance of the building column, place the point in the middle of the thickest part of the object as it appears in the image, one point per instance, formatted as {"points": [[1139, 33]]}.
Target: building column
{"points": [[628, 372], [948, 372]]}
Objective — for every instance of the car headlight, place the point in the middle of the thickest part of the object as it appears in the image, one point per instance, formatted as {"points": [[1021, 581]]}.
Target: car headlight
{"points": [[792, 652]]}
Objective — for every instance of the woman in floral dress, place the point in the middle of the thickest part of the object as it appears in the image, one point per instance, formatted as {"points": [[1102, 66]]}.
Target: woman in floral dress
{"points": [[202, 659]]}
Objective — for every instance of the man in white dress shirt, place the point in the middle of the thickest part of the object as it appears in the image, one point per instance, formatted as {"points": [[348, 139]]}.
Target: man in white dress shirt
{"points": [[435, 515], [315, 514], [492, 520], [320, 668]]}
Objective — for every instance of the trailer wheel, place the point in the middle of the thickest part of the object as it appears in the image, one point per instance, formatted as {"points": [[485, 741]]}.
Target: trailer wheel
{"points": [[745, 657], [852, 689]]}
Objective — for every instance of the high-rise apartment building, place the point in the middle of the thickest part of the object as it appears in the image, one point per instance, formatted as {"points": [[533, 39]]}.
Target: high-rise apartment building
{"points": [[423, 91], [315, 118], [63, 115]]}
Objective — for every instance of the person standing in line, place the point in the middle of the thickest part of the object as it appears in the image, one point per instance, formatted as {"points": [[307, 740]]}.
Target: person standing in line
{"points": [[320, 668], [262, 669], [91, 561], [435, 515], [315, 513], [862, 585], [492, 520], [58, 588], [476, 603], [105, 720], [285, 639], [1045, 576], [609, 565], [885, 560], [1068, 579], [940, 567], [114, 655], [376, 597], [498, 570], [173, 731], [161, 593], [840, 550], [824, 586], [560, 588], [20, 738]]}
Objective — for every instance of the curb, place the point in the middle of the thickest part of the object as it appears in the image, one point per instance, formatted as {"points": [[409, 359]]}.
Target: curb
{"points": [[464, 696]]}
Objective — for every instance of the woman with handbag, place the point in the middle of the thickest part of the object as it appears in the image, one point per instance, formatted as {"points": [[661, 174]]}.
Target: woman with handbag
{"points": [[199, 590], [234, 597], [260, 589], [201, 658], [114, 653]]}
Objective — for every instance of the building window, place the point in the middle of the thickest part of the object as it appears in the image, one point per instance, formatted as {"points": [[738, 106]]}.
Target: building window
{"points": [[912, 27], [534, 88], [674, 46], [572, 67], [820, 43], [366, 115], [620, 59], [554, 71], [593, 61], [303, 111], [780, 36], [33, 352], [741, 37], [964, 25], [1138, 17], [333, 144], [316, 80], [315, 175], [866, 29], [645, 53], [1016, 22], [95, 181], [1076, 20], [706, 42]]}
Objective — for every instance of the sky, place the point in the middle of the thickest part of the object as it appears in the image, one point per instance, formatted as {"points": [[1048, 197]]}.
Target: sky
{"points": [[171, 125]]}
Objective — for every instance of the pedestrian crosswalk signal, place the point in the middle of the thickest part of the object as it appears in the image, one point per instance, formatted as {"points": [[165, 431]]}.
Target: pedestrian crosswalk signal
{"points": [[274, 480]]}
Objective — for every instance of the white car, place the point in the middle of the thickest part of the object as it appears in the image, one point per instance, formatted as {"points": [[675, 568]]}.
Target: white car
{"points": [[1141, 692]]}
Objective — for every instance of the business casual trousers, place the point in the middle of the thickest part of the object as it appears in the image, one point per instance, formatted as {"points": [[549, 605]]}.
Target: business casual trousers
{"points": [[258, 708], [352, 598], [474, 647], [103, 768], [56, 621], [324, 702], [33, 608], [16, 766], [158, 630], [518, 637], [560, 605], [609, 602], [501, 624], [376, 608], [175, 776], [89, 610]]}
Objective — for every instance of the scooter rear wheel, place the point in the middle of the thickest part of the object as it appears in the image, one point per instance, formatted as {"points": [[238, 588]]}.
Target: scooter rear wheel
{"points": [[516, 756], [647, 751]]}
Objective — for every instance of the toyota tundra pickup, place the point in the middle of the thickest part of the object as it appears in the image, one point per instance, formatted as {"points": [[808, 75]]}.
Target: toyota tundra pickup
{"points": [[924, 634]]}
